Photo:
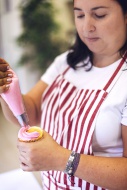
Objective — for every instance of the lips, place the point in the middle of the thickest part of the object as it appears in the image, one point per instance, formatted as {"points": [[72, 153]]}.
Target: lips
{"points": [[92, 39]]}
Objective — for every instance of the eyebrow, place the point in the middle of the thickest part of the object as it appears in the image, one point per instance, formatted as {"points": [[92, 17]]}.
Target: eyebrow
{"points": [[94, 8], [100, 7]]}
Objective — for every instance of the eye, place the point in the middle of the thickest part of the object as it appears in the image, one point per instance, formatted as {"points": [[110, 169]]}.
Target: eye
{"points": [[80, 16], [100, 16]]}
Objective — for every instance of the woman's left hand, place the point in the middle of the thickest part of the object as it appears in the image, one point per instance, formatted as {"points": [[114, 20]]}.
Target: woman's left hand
{"points": [[42, 155]]}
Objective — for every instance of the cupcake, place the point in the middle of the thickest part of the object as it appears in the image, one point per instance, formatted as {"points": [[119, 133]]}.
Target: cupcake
{"points": [[30, 134]]}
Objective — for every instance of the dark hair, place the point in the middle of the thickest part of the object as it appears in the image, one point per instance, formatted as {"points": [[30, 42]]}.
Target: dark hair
{"points": [[79, 51]]}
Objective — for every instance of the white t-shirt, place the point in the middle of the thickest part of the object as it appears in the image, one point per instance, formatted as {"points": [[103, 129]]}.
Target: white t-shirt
{"points": [[107, 139]]}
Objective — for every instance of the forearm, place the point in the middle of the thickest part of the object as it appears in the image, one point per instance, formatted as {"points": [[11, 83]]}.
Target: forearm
{"points": [[34, 112], [34, 118], [106, 172], [110, 173]]}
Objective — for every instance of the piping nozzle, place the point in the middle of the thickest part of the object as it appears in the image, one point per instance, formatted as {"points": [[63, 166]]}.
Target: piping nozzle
{"points": [[23, 119]]}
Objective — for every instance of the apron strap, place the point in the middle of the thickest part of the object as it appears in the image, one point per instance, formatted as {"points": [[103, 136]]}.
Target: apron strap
{"points": [[115, 73], [65, 71]]}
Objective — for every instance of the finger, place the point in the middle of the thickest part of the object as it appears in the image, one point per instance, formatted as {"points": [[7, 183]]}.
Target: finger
{"points": [[5, 84], [27, 168], [5, 81], [24, 167], [2, 61], [4, 88], [23, 159], [3, 65], [6, 74], [22, 146], [24, 164]]}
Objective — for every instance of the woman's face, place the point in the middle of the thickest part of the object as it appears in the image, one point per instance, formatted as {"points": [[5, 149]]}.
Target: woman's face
{"points": [[101, 25]]}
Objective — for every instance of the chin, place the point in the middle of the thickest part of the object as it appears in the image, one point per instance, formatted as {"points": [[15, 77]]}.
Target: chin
{"points": [[95, 51]]}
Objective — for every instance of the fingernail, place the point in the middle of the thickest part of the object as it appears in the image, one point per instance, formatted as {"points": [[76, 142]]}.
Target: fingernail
{"points": [[9, 80], [8, 67], [10, 75], [7, 86]]}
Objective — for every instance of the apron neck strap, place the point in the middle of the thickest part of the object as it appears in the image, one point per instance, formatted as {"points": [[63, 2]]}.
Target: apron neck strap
{"points": [[116, 72]]}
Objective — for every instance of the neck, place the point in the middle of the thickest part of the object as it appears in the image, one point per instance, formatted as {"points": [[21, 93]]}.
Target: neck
{"points": [[104, 60]]}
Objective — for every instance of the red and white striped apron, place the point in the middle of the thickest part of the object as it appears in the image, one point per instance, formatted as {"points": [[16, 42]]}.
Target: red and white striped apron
{"points": [[69, 116]]}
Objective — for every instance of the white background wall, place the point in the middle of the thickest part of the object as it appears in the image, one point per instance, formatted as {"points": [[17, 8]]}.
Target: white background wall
{"points": [[10, 29]]}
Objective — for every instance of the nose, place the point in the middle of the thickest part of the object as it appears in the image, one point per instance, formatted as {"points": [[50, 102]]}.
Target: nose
{"points": [[89, 24]]}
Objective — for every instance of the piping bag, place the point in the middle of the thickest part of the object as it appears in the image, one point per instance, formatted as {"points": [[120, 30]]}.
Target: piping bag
{"points": [[14, 100]]}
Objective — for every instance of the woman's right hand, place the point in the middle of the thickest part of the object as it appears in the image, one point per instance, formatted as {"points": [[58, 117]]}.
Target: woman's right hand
{"points": [[5, 76]]}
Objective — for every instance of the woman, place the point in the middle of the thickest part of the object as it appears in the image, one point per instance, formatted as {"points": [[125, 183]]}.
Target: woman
{"points": [[84, 105]]}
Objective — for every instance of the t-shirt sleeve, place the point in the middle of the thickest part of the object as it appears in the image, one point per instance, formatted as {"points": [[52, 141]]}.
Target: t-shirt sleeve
{"points": [[58, 66], [124, 115]]}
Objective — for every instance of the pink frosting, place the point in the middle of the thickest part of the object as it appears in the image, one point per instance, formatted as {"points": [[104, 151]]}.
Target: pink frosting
{"points": [[24, 135]]}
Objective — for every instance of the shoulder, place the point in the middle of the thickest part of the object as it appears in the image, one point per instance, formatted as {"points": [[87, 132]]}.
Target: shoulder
{"points": [[62, 57], [58, 66], [60, 62]]}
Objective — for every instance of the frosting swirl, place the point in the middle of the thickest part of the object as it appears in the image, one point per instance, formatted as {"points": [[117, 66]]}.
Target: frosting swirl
{"points": [[29, 133]]}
